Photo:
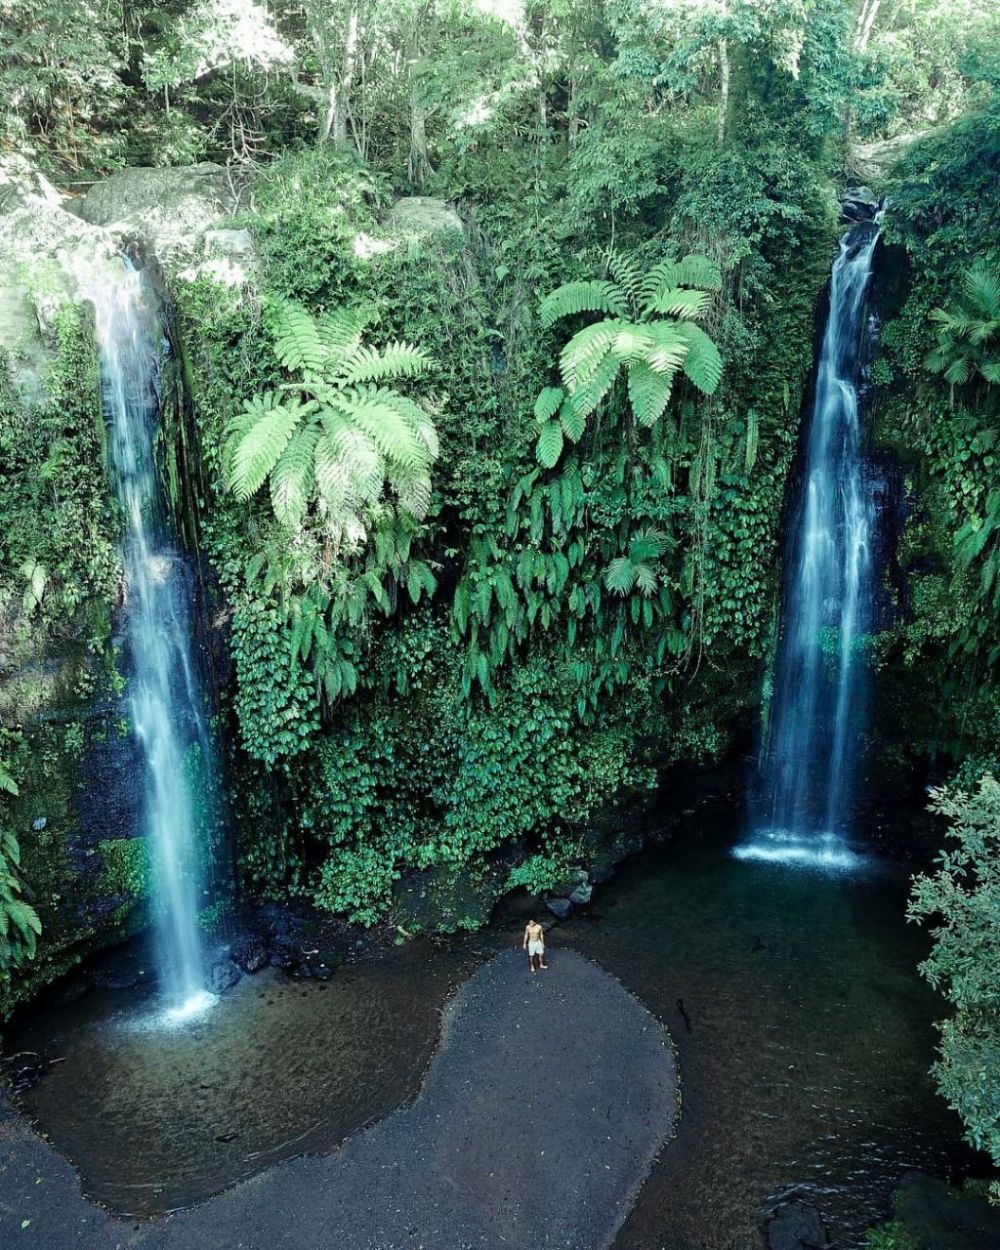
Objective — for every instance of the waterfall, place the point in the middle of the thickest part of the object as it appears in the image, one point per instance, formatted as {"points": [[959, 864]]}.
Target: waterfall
{"points": [[164, 695], [800, 802]]}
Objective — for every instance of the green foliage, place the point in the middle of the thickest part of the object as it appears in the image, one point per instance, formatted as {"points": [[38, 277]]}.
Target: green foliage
{"points": [[651, 335], [962, 900], [334, 451], [968, 345], [538, 873], [19, 922]]}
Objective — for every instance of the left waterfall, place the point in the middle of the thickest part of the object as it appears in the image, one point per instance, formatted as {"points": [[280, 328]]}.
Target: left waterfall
{"points": [[164, 692]]}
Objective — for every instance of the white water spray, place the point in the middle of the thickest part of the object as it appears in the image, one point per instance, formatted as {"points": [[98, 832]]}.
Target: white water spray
{"points": [[163, 690], [807, 761]]}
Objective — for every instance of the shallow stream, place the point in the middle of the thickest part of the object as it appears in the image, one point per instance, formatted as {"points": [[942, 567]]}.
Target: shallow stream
{"points": [[803, 1029]]}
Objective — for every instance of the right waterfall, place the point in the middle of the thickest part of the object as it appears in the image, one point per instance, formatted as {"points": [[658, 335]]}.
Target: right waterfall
{"points": [[800, 801]]}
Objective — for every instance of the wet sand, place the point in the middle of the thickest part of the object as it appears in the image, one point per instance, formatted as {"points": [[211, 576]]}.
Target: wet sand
{"points": [[541, 1114]]}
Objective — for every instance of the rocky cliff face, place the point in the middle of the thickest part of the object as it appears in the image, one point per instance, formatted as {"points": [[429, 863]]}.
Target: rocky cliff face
{"points": [[61, 672]]}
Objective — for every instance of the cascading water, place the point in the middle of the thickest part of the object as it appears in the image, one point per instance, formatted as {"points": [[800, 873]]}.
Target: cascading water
{"points": [[799, 808], [164, 691]]}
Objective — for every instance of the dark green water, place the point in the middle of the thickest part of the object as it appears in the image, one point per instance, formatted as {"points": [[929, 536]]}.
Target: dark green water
{"points": [[804, 1071]]}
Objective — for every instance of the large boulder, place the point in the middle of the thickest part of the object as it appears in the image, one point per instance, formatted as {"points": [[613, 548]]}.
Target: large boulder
{"points": [[169, 210], [418, 216], [47, 256]]}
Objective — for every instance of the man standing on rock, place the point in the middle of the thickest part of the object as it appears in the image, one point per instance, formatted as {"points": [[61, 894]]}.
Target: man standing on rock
{"points": [[534, 944]]}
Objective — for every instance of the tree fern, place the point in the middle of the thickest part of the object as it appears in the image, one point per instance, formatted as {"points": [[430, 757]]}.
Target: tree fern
{"points": [[332, 440], [658, 340], [968, 340]]}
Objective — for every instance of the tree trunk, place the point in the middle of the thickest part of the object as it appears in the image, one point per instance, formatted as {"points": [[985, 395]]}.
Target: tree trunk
{"points": [[867, 14], [338, 66], [418, 164], [720, 129]]}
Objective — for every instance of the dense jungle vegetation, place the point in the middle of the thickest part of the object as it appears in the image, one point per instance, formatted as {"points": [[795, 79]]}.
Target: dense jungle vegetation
{"points": [[493, 515]]}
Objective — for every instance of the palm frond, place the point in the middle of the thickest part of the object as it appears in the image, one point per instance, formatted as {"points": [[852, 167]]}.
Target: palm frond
{"points": [[982, 289], [619, 576]]}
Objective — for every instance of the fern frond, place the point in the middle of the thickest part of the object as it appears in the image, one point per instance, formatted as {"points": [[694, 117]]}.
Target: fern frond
{"points": [[387, 419], [626, 272], [693, 271], [333, 479], [632, 343], [547, 403], [586, 399], [340, 329], [648, 392], [670, 347], [264, 439], [549, 446], [577, 297], [702, 364], [362, 460], [676, 301], [297, 341], [587, 349], [413, 492], [573, 422], [293, 477], [395, 360], [619, 576]]}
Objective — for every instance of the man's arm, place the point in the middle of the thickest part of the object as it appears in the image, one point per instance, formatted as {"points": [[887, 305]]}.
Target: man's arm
{"points": [[524, 944]]}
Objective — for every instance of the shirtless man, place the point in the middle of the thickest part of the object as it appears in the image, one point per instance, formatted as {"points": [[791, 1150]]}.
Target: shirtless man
{"points": [[534, 944]]}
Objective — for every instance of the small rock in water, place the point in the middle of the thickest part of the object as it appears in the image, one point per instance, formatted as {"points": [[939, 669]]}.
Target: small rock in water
{"points": [[796, 1225], [250, 953], [224, 976], [580, 895]]}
